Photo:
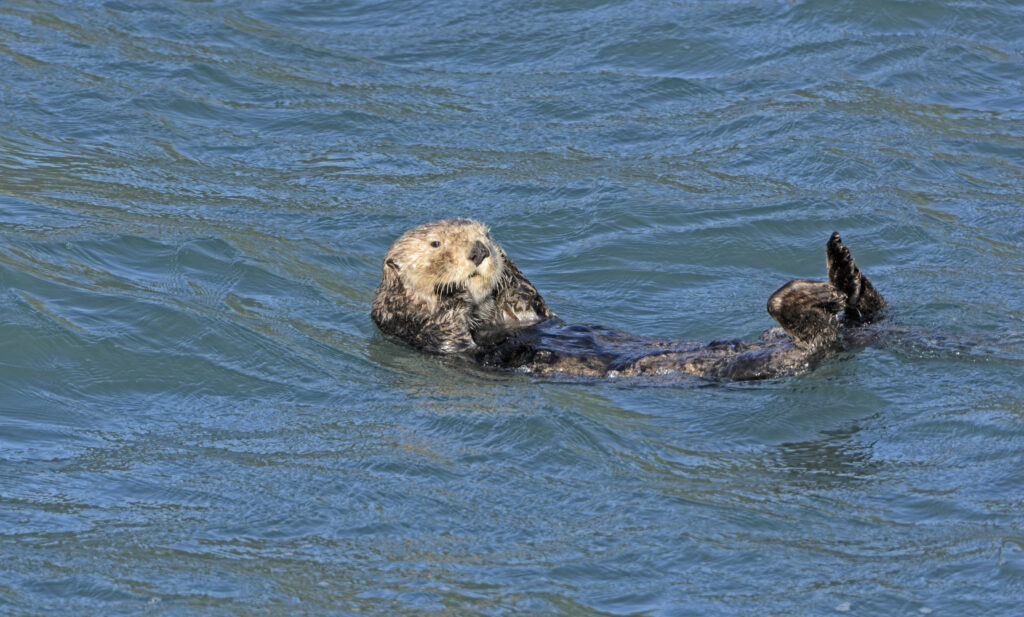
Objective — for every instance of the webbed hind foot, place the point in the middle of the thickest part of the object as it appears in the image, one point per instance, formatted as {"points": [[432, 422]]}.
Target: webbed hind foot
{"points": [[863, 301], [808, 311]]}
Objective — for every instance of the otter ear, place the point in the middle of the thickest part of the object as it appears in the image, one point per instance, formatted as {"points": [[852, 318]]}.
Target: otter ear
{"points": [[391, 278]]}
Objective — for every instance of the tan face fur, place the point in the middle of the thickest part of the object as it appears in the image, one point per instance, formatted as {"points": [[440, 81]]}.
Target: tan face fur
{"points": [[444, 255]]}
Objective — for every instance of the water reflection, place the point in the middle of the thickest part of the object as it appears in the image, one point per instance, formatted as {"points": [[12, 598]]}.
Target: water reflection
{"points": [[838, 459]]}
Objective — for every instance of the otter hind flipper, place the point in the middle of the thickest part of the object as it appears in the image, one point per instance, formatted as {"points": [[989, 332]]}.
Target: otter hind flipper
{"points": [[863, 301], [807, 310]]}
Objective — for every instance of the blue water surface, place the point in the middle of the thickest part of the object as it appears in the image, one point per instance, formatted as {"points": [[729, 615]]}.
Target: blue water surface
{"points": [[198, 417]]}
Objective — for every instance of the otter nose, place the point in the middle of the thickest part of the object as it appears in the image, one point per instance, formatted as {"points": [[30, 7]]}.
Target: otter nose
{"points": [[479, 252]]}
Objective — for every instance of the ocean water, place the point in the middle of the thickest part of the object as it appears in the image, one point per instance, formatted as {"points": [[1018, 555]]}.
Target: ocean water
{"points": [[198, 417]]}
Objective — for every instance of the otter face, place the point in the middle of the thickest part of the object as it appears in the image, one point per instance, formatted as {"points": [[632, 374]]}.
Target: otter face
{"points": [[447, 257]]}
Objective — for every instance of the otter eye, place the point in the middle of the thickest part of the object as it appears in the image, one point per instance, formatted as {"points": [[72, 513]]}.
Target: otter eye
{"points": [[435, 243]]}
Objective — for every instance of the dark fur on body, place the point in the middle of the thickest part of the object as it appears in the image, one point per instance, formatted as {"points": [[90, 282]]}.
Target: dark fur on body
{"points": [[495, 316]]}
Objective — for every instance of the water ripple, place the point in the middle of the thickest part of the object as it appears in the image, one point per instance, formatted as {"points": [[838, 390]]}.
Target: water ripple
{"points": [[198, 416]]}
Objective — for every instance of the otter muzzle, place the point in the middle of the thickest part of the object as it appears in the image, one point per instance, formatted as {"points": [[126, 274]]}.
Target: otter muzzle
{"points": [[478, 253]]}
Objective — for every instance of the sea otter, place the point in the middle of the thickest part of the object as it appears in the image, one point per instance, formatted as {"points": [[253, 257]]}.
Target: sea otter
{"points": [[449, 288]]}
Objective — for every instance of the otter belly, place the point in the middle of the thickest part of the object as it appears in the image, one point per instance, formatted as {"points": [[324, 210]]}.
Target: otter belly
{"points": [[554, 348]]}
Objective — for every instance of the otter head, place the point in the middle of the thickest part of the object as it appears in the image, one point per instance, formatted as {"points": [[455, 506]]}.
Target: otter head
{"points": [[445, 258]]}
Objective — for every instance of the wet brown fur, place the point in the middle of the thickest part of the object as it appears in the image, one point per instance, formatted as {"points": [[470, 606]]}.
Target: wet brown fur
{"points": [[441, 294]]}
